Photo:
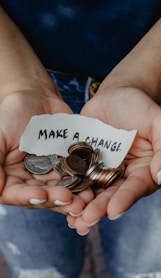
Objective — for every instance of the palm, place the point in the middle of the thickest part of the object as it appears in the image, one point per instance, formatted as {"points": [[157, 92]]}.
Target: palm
{"points": [[15, 112], [127, 108]]}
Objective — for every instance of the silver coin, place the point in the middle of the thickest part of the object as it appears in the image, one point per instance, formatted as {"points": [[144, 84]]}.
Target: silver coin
{"points": [[53, 157], [37, 164], [94, 167], [94, 157], [57, 166]]}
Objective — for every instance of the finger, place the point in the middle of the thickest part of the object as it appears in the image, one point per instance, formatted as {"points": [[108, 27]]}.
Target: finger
{"points": [[58, 195], [86, 195], [46, 178], [93, 212], [78, 224], [74, 208], [97, 208], [78, 203], [71, 220], [155, 167], [18, 193], [2, 179], [156, 140], [136, 186]]}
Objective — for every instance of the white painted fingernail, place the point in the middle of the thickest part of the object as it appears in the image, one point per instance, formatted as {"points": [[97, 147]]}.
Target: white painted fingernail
{"points": [[36, 201], [159, 177], [61, 203], [92, 224], [83, 234], [116, 217], [75, 214]]}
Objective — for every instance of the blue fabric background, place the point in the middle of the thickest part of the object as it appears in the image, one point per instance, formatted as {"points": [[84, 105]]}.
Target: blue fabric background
{"points": [[83, 37]]}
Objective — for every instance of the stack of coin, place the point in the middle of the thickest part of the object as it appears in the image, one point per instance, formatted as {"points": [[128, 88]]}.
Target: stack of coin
{"points": [[81, 169], [102, 176], [75, 183], [82, 150]]}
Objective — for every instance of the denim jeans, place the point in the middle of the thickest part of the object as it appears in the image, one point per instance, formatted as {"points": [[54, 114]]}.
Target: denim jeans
{"points": [[39, 244]]}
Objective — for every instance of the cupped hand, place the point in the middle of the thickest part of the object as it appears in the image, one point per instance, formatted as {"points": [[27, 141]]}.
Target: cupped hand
{"points": [[17, 185], [125, 108]]}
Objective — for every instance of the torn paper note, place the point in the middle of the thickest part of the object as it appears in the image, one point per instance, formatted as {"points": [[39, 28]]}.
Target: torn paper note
{"points": [[49, 134]]}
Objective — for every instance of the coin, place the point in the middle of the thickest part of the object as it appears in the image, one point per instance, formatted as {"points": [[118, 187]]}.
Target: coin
{"points": [[82, 149], [75, 184], [80, 146], [112, 176], [74, 165], [83, 185], [81, 169], [57, 165], [94, 168], [94, 157], [68, 181], [102, 176], [37, 164], [53, 157]]}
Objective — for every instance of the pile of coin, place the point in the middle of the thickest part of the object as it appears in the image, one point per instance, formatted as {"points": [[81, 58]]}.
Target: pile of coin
{"points": [[81, 169]]}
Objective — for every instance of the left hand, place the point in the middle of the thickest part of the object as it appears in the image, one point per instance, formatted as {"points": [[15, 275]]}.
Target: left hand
{"points": [[17, 186], [125, 108]]}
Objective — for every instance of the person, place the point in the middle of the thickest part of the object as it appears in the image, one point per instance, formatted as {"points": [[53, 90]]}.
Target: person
{"points": [[50, 54]]}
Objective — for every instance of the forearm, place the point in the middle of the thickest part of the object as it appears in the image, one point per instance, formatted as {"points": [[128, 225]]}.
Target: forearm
{"points": [[141, 68], [20, 69]]}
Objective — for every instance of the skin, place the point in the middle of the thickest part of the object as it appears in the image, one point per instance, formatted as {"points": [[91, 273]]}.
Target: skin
{"points": [[142, 161], [127, 98], [27, 90]]}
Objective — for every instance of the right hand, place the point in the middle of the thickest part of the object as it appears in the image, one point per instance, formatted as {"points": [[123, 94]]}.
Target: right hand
{"points": [[125, 108]]}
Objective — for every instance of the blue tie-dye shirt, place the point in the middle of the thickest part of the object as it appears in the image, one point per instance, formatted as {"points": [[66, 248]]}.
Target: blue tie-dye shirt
{"points": [[83, 37]]}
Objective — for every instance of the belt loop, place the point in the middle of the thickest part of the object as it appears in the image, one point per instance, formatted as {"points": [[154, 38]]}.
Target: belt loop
{"points": [[89, 81]]}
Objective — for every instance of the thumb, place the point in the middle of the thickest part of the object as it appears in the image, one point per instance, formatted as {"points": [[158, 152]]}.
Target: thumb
{"points": [[2, 172], [155, 167], [93, 109]]}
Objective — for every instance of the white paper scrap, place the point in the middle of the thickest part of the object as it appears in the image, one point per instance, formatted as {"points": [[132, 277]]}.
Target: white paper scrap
{"points": [[53, 134]]}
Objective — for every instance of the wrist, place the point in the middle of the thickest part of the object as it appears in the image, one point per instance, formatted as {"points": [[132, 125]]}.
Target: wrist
{"points": [[140, 69], [121, 77]]}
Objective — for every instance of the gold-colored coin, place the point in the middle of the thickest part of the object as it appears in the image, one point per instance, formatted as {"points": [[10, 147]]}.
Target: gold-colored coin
{"points": [[101, 176], [81, 149], [69, 182], [74, 165], [83, 185], [112, 176]]}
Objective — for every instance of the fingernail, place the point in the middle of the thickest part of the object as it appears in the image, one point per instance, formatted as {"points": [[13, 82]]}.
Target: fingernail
{"points": [[83, 234], [93, 223], [75, 214], [61, 203], [159, 177], [116, 217], [71, 227], [36, 201]]}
